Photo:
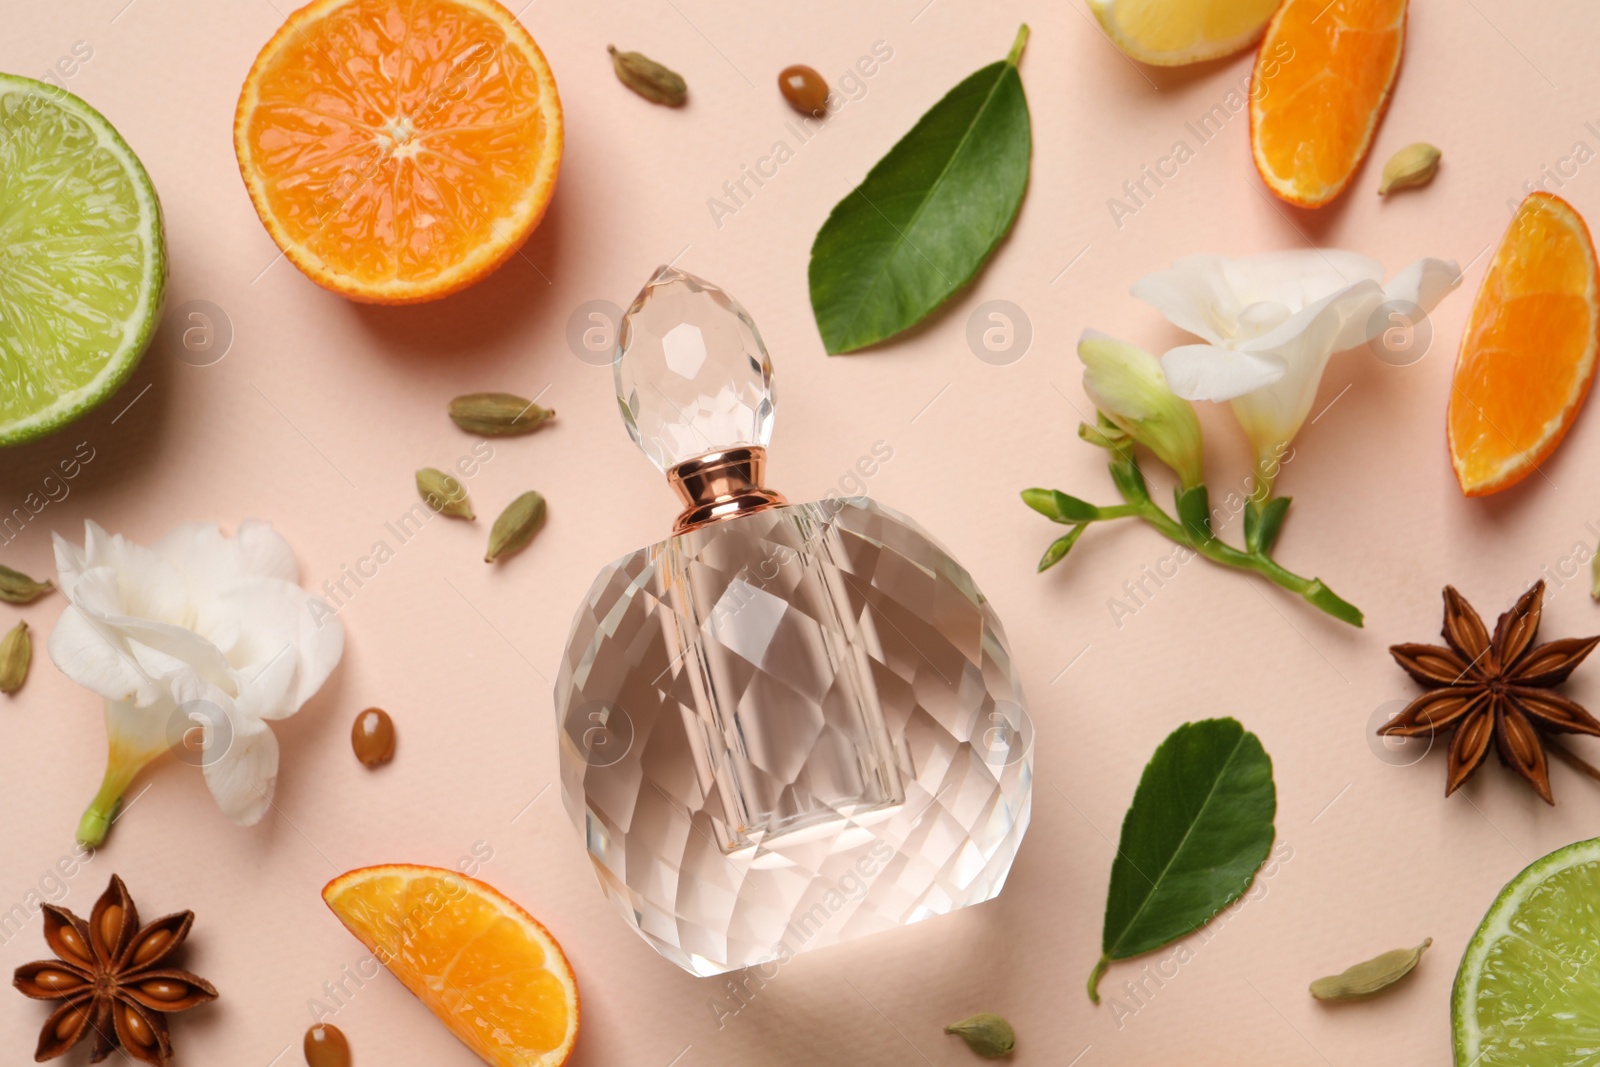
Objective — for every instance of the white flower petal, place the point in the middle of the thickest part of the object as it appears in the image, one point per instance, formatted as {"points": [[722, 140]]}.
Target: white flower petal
{"points": [[1424, 283], [139, 734], [71, 561], [1298, 278], [282, 633], [1212, 372], [1333, 323], [245, 776], [1195, 294], [240, 753], [98, 660], [263, 553]]}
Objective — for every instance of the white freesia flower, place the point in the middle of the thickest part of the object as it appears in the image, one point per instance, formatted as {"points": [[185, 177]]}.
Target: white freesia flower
{"points": [[195, 631], [1271, 322], [1127, 386]]}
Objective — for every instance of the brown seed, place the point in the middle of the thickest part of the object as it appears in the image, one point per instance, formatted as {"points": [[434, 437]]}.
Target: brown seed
{"points": [[326, 1047], [137, 1028], [71, 1021], [162, 989], [57, 981], [804, 89], [73, 943], [111, 926], [372, 737], [151, 946]]}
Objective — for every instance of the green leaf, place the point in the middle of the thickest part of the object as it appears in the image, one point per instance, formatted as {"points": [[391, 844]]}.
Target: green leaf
{"points": [[928, 214], [1194, 512], [1059, 507], [1263, 523], [1199, 827], [1061, 546], [1325, 598]]}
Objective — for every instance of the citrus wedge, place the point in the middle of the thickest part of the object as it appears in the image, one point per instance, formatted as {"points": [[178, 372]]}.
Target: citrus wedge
{"points": [[1528, 354], [82, 260], [1171, 33], [399, 150], [485, 967], [1321, 84], [1529, 982]]}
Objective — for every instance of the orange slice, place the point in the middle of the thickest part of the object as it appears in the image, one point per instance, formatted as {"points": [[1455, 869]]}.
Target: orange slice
{"points": [[485, 967], [399, 150], [1321, 84], [1528, 355]]}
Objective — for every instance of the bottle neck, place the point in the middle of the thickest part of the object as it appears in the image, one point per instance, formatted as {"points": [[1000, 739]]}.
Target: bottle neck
{"points": [[721, 485]]}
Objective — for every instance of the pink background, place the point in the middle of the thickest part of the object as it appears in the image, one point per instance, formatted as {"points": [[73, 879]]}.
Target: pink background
{"points": [[320, 413]]}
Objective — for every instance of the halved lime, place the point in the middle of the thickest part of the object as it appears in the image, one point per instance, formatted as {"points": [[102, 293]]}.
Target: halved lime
{"points": [[1528, 991], [82, 260]]}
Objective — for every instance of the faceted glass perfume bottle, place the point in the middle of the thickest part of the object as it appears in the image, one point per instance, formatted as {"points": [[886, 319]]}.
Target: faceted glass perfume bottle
{"points": [[787, 725]]}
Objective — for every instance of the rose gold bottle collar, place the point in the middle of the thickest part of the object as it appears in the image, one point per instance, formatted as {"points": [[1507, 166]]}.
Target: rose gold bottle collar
{"points": [[721, 485]]}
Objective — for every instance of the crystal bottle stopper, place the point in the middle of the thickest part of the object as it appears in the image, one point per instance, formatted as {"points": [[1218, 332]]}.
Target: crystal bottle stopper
{"points": [[694, 383]]}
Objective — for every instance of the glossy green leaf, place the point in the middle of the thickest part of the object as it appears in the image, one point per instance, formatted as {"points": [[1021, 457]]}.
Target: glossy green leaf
{"points": [[1199, 827], [928, 214]]}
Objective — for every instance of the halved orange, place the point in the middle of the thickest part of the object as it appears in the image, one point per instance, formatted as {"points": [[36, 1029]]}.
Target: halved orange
{"points": [[1321, 85], [1528, 354], [485, 967], [399, 150]]}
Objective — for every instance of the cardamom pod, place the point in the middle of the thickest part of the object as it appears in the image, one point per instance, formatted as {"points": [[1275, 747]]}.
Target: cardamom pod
{"points": [[516, 526], [18, 588], [1371, 977], [498, 414], [985, 1033], [1413, 165], [444, 494], [16, 652], [648, 78]]}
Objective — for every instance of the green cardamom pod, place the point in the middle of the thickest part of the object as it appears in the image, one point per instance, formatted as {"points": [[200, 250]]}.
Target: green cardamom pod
{"points": [[1371, 977], [18, 588], [985, 1033], [444, 494], [648, 78], [516, 526], [1413, 165], [16, 652], [498, 414]]}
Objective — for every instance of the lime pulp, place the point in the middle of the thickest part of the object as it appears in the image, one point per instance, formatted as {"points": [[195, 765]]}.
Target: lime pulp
{"points": [[82, 259]]}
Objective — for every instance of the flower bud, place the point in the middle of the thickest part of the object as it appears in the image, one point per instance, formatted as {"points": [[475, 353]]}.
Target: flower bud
{"points": [[1127, 385]]}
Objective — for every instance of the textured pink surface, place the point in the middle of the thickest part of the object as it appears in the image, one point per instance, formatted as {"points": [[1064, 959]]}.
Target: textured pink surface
{"points": [[322, 410]]}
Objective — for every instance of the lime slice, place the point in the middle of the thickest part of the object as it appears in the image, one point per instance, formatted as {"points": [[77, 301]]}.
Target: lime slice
{"points": [[1170, 33], [1528, 991], [82, 261]]}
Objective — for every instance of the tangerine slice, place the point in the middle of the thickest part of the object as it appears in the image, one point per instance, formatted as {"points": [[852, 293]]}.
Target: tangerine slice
{"points": [[485, 967], [1321, 84], [399, 150], [1528, 354]]}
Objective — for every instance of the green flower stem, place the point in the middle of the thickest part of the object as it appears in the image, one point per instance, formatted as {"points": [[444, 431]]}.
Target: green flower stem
{"points": [[96, 821], [1310, 589]]}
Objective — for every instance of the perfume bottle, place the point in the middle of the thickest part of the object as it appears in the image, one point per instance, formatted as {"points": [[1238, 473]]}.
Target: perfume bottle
{"points": [[786, 725]]}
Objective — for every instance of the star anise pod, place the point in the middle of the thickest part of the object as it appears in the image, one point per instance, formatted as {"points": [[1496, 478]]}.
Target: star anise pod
{"points": [[111, 978], [1494, 689]]}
